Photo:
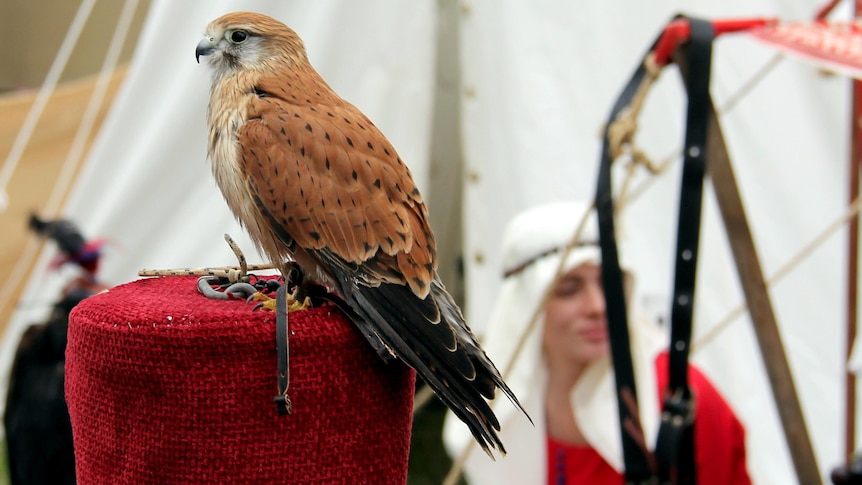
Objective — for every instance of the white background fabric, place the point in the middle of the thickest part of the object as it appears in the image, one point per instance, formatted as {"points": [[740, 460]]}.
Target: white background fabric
{"points": [[544, 76], [537, 81]]}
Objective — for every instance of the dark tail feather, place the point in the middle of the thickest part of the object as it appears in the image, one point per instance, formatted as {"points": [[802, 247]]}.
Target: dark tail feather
{"points": [[453, 314], [431, 337]]}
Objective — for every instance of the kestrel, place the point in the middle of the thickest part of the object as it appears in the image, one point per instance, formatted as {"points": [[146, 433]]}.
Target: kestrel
{"points": [[314, 181]]}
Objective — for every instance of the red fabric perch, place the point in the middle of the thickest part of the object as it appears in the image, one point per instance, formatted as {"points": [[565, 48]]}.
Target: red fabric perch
{"points": [[166, 386]]}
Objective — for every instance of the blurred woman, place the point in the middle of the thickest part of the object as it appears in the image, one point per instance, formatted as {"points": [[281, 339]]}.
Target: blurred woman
{"points": [[563, 374]]}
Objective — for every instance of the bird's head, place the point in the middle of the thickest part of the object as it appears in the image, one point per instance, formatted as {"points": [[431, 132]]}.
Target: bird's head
{"points": [[243, 41]]}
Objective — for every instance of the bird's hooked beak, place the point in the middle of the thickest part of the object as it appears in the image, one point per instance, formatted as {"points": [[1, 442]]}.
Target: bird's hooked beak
{"points": [[205, 47]]}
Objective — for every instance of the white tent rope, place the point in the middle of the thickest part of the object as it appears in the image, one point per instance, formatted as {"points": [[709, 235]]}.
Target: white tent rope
{"points": [[88, 121], [748, 85], [84, 129], [729, 104], [851, 211], [48, 86]]}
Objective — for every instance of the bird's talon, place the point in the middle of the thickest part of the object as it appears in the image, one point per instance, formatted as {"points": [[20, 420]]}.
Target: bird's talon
{"points": [[295, 305], [267, 303], [258, 296]]}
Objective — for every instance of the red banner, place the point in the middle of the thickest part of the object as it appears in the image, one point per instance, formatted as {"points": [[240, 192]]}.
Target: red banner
{"points": [[835, 46]]}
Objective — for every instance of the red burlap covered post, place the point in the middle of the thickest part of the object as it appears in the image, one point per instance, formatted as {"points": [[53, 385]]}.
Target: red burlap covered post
{"points": [[166, 386]]}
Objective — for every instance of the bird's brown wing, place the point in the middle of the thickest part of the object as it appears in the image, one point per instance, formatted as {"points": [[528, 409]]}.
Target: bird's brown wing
{"points": [[333, 185], [331, 180]]}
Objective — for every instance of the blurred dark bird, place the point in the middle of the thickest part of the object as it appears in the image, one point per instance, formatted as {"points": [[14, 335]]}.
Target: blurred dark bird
{"points": [[74, 248]]}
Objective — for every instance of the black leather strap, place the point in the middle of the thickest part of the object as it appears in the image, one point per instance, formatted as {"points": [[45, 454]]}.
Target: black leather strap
{"points": [[636, 458], [698, 54], [282, 400], [675, 447]]}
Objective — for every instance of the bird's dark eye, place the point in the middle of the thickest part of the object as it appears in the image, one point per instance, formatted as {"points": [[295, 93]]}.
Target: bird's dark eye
{"points": [[237, 36]]}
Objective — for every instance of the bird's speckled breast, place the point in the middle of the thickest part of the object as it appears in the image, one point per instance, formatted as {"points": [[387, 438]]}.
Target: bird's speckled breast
{"points": [[225, 118]]}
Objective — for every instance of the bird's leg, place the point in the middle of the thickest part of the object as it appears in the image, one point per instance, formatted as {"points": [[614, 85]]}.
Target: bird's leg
{"points": [[296, 295], [294, 301]]}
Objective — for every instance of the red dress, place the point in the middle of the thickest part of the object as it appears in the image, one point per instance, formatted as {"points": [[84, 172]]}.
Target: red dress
{"points": [[719, 441]]}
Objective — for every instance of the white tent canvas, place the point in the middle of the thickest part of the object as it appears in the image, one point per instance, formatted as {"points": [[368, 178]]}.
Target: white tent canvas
{"points": [[535, 83]]}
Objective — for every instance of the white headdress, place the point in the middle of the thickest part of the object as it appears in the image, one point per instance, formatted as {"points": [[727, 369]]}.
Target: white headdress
{"points": [[533, 244]]}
